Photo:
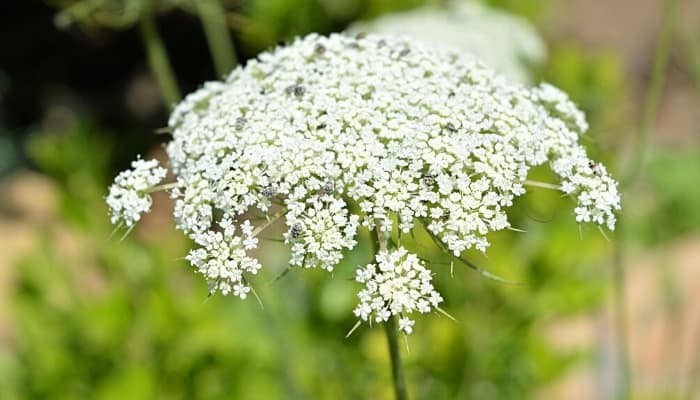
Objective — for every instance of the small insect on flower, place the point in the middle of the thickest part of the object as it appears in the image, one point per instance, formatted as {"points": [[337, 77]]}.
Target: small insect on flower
{"points": [[296, 90], [428, 180], [240, 123], [329, 187], [596, 168], [296, 230], [269, 191]]}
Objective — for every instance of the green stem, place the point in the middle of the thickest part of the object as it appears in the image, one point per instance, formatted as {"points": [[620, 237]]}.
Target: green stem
{"points": [[213, 17], [654, 92], [391, 330], [397, 375], [620, 313], [158, 59], [636, 167]]}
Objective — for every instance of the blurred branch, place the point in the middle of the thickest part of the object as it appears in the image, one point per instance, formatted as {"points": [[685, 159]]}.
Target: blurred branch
{"points": [[649, 113], [238, 21], [654, 92], [690, 48], [213, 17], [116, 15], [620, 314], [158, 59]]}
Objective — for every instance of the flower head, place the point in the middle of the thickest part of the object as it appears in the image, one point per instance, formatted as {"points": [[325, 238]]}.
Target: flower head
{"points": [[223, 260], [397, 284], [129, 196], [337, 132], [320, 231]]}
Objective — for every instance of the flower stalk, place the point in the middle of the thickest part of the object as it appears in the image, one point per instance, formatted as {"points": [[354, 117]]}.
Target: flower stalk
{"points": [[634, 170], [158, 59], [397, 373], [392, 333], [213, 18]]}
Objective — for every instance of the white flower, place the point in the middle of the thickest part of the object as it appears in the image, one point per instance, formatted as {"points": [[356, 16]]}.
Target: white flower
{"points": [[338, 132], [319, 232], [129, 196], [398, 284], [222, 258], [406, 325]]}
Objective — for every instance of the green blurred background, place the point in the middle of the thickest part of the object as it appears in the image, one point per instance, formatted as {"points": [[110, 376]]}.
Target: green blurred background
{"points": [[87, 316]]}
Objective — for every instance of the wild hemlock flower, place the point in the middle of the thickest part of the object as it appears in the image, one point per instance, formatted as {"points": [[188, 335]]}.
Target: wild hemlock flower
{"points": [[319, 232], [397, 284], [129, 196], [403, 131]]}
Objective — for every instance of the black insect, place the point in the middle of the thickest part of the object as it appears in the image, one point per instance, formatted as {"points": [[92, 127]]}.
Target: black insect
{"points": [[296, 90], [296, 230], [269, 191], [596, 168], [240, 123], [328, 187], [428, 180]]}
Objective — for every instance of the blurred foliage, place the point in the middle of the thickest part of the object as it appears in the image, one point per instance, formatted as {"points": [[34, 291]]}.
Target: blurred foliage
{"points": [[118, 14], [531, 9], [102, 318], [596, 82], [257, 24], [670, 205]]}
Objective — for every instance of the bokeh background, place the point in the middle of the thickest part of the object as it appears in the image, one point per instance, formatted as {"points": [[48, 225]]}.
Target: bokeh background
{"points": [[85, 315]]}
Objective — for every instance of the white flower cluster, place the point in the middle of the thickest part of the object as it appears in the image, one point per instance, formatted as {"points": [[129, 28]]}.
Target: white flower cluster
{"points": [[378, 131], [319, 231], [129, 196], [505, 42], [398, 284], [222, 257]]}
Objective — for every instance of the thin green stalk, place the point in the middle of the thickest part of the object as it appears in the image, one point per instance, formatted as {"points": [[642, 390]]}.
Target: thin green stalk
{"points": [[654, 92], [213, 17], [380, 240], [690, 47], [636, 167], [397, 375], [620, 314], [158, 59]]}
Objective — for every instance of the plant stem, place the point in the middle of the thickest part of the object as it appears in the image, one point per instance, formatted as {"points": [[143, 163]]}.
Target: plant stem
{"points": [[620, 314], [397, 375], [636, 167], [158, 59], [213, 18], [654, 91], [390, 328]]}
